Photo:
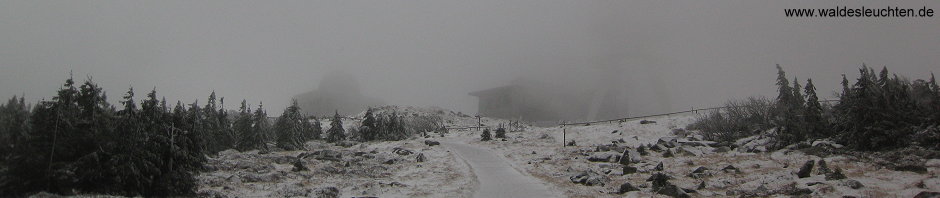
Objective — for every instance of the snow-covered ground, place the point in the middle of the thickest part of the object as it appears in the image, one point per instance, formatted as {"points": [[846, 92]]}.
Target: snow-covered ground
{"points": [[539, 151], [365, 169], [376, 169]]}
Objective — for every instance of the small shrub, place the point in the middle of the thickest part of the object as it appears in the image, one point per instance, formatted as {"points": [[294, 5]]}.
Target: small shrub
{"points": [[486, 135], [500, 132], [740, 118]]}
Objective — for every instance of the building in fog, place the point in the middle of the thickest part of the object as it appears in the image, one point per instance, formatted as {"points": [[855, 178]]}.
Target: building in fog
{"points": [[545, 102]]}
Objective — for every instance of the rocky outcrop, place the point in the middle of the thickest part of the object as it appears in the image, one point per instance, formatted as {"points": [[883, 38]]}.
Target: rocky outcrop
{"points": [[806, 169]]}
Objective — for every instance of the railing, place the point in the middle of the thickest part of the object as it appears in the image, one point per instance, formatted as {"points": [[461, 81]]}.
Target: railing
{"points": [[662, 114]]}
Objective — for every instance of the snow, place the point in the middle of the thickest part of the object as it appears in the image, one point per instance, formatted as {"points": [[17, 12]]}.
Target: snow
{"points": [[539, 152], [250, 174], [537, 158]]}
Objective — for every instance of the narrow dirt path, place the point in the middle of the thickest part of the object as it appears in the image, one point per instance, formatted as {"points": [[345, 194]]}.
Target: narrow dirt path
{"points": [[496, 176]]}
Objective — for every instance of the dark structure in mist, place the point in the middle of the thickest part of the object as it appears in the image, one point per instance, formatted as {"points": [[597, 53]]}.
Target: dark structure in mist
{"points": [[539, 101], [338, 91]]}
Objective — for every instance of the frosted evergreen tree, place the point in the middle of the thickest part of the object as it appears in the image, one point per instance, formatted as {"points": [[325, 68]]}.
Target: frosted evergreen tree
{"points": [[336, 132], [289, 129], [486, 136], [368, 128]]}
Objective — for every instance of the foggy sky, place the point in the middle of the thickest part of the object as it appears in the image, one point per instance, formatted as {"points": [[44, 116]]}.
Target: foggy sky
{"points": [[669, 55]]}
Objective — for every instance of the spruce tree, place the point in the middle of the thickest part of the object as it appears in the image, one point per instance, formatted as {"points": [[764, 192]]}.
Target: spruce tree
{"points": [[815, 121], [368, 126], [288, 128], [336, 132], [242, 126], [485, 136], [317, 129], [260, 128], [500, 132], [784, 114]]}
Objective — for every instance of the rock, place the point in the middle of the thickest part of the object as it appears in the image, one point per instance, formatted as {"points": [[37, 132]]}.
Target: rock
{"points": [[835, 175], [912, 168], [689, 190], [647, 122], [626, 187], [293, 190], [823, 168], [608, 147], [851, 183], [346, 143], [262, 177], [932, 163], [588, 178], [659, 180], [667, 142], [431, 143], [826, 143], [792, 190], [731, 169], [332, 170], [402, 151], [760, 191], [609, 165], [579, 178], [927, 194], [299, 166], [625, 157], [668, 153], [689, 152], [285, 159], [722, 149], [698, 172], [327, 192], [700, 185], [571, 143], [657, 147], [394, 184], [642, 150], [329, 155], [659, 167], [806, 169], [700, 169], [603, 157], [695, 143], [672, 191], [629, 170], [420, 157], [598, 180]]}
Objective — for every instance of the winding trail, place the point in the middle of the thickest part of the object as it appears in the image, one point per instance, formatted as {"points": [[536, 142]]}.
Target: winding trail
{"points": [[496, 176]]}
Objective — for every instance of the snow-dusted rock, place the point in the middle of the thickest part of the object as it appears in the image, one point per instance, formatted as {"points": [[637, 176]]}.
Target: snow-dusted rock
{"points": [[604, 157]]}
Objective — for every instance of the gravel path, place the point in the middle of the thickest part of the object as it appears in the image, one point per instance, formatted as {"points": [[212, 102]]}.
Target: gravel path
{"points": [[496, 176]]}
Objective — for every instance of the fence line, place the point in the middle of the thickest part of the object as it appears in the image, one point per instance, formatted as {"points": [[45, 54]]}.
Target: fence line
{"points": [[662, 114]]}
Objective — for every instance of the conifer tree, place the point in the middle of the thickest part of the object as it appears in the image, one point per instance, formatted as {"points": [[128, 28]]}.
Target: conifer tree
{"points": [[813, 112], [785, 117], [307, 129], [336, 132], [368, 127], [316, 128], [500, 132], [242, 126], [260, 128], [485, 136], [288, 128]]}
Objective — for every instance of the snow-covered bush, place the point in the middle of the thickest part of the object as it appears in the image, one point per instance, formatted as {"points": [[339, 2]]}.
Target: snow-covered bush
{"points": [[740, 118]]}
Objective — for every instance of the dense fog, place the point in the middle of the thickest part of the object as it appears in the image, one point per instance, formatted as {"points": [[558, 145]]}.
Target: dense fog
{"points": [[648, 57]]}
